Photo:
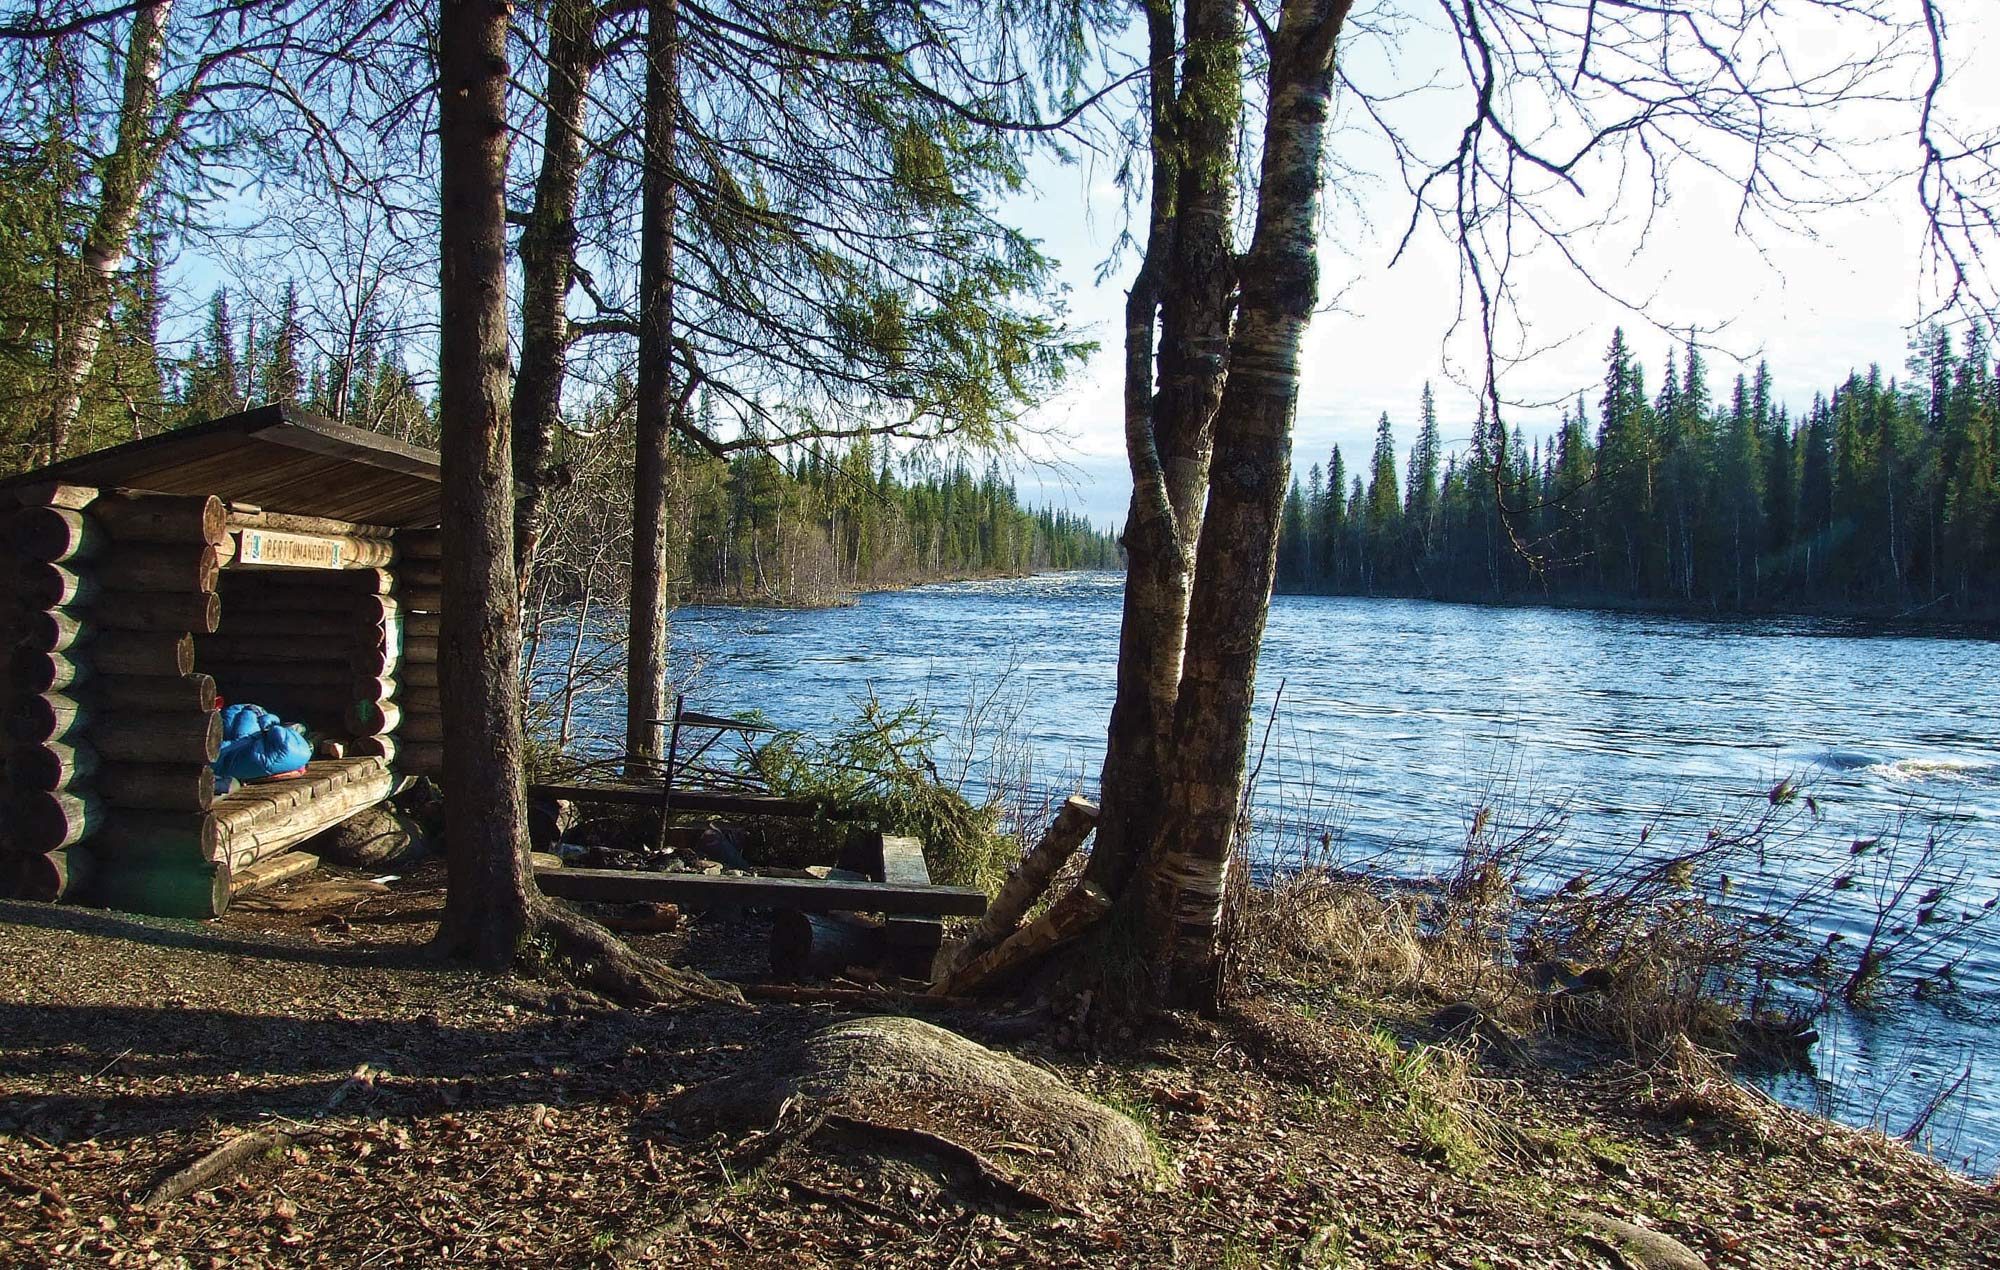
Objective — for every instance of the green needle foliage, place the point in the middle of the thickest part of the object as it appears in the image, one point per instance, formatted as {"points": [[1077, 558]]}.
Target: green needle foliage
{"points": [[879, 769]]}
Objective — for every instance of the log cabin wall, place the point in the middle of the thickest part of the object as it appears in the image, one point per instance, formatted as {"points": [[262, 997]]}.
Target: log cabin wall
{"points": [[110, 731], [129, 615]]}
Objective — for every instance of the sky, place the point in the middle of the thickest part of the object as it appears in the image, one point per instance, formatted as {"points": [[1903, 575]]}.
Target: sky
{"points": [[1817, 304]]}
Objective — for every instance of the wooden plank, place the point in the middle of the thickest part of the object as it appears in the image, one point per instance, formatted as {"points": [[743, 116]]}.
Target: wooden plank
{"points": [[809, 895], [917, 938], [266, 548], [714, 802]]}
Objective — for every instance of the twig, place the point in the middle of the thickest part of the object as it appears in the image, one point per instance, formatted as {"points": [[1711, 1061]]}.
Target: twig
{"points": [[108, 1066]]}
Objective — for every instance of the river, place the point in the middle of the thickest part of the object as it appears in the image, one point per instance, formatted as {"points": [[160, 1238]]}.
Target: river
{"points": [[1399, 718]]}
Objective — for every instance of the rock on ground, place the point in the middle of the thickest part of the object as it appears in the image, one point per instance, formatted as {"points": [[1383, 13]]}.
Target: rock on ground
{"points": [[1640, 1248], [370, 839], [914, 1074]]}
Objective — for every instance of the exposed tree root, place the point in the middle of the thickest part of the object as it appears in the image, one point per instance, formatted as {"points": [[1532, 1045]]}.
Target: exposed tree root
{"points": [[596, 959], [217, 1166]]}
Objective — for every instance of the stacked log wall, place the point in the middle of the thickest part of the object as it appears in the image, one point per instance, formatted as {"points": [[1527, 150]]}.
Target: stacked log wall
{"points": [[110, 731], [418, 582]]}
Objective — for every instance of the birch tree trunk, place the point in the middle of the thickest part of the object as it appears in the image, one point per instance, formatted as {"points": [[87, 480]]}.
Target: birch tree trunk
{"points": [[123, 179], [1184, 282], [548, 263], [1237, 558], [646, 652], [490, 901]]}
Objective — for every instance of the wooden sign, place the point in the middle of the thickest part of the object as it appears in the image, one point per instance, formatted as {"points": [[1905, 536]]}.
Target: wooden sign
{"points": [[289, 551]]}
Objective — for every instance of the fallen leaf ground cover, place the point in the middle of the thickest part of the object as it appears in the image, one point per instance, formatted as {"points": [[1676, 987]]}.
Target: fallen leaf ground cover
{"points": [[436, 1117]]}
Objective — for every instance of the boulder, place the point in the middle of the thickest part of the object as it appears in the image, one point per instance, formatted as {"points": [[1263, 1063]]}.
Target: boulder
{"points": [[371, 839], [907, 1074], [1639, 1247]]}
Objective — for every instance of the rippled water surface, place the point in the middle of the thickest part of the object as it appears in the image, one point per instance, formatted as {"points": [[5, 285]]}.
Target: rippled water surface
{"points": [[1398, 718]]}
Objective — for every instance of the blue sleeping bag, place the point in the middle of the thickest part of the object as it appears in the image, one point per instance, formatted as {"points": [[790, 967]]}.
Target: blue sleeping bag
{"points": [[256, 744]]}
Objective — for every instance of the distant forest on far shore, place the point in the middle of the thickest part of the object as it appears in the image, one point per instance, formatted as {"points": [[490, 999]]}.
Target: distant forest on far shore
{"points": [[1881, 496]]}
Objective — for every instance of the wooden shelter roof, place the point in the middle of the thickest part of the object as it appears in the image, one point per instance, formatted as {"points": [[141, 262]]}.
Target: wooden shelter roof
{"points": [[280, 458]]}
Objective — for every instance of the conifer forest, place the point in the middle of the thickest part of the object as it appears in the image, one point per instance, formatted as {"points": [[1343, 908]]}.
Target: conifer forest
{"points": [[1879, 496]]}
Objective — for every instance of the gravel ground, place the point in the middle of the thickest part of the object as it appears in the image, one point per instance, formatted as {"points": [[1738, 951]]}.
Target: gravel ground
{"points": [[440, 1117]]}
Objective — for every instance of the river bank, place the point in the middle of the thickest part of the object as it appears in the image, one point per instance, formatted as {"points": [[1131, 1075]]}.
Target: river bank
{"points": [[1932, 616], [439, 1115]]}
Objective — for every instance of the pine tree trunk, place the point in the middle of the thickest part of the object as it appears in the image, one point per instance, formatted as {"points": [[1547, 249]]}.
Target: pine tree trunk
{"points": [[490, 900], [1238, 555], [124, 177], [548, 259], [646, 667]]}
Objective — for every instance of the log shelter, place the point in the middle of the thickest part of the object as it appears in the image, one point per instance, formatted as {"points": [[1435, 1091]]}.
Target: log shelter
{"points": [[270, 557]]}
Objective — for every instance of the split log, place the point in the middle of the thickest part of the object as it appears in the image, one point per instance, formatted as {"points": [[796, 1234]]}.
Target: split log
{"points": [[248, 618], [157, 692], [244, 593], [157, 786], [422, 759], [56, 534], [419, 647], [185, 738], [419, 674], [823, 945], [234, 645], [161, 518], [280, 522], [700, 890], [250, 834], [160, 568], [199, 612], [421, 599], [55, 494], [50, 716], [421, 727], [265, 548], [312, 674], [141, 840], [420, 544], [420, 700], [52, 631], [50, 819], [913, 939], [34, 671], [51, 586], [142, 653], [1028, 880], [56, 875], [421, 626], [324, 709], [51, 764], [165, 890], [1065, 920], [373, 718], [267, 873], [420, 573]]}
